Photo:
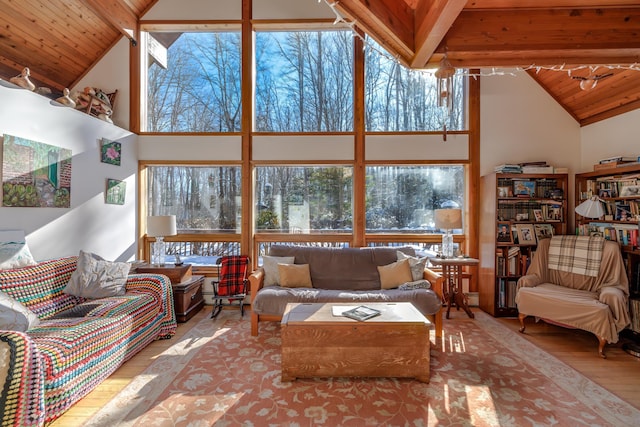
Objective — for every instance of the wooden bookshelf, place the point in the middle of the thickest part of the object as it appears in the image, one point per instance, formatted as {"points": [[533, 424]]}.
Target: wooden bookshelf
{"points": [[531, 205]]}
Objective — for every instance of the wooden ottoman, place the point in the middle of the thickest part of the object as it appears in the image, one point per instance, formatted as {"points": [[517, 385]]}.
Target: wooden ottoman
{"points": [[317, 343]]}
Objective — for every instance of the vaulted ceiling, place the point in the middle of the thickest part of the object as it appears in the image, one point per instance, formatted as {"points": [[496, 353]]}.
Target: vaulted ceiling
{"points": [[60, 40]]}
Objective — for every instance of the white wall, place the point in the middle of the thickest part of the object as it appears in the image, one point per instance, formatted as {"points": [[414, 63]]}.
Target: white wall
{"points": [[617, 136], [520, 122], [89, 224]]}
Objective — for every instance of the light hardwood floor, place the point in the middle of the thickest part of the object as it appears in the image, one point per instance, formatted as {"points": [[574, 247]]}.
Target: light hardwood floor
{"points": [[619, 373]]}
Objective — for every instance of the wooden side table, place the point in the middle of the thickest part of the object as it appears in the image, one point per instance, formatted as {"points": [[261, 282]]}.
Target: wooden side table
{"points": [[452, 272]]}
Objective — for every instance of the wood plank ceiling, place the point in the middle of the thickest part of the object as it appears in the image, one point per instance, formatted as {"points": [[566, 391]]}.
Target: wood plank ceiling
{"points": [[60, 40]]}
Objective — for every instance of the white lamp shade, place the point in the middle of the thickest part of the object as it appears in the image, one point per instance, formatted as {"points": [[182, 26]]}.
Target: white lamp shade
{"points": [[448, 219], [590, 208], [161, 225]]}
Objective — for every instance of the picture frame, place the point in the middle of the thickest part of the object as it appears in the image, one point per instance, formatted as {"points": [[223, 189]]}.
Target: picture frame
{"points": [[537, 214], [505, 192], [623, 213], [604, 193], [524, 188], [543, 231], [526, 234], [503, 232], [116, 192], [110, 152]]}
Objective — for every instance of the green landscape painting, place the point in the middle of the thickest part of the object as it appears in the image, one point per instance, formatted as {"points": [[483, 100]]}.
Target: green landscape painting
{"points": [[35, 174]]}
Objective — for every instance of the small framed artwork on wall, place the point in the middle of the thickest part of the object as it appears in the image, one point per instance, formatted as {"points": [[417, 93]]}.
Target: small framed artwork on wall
{"points": [[116, 192], [110, 152]]}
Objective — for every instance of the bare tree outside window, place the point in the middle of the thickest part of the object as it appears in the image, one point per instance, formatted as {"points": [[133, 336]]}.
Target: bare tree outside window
{"points": [[304, 81], [199, 90], [404, 100]]}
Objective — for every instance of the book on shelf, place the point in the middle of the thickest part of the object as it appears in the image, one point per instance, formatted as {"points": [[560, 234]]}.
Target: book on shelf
{"points": [[361, 313], [508, 168], [537, 169], [561, 170], [619, 159]]}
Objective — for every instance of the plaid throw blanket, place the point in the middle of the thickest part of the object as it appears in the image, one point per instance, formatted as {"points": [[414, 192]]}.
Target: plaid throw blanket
{"points": [[576, 254]]}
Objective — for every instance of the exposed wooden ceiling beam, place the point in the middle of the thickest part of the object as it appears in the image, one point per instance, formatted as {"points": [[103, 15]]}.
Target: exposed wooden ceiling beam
{"points": [[118, 14], [433, 20], [389, 22], [544, 37]]}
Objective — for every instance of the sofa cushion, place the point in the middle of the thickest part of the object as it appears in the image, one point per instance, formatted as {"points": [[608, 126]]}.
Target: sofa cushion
{"points": [[342, 268], [294, 275], [394, 274], [274, 299], [14, 316], [417, 265], [97, 278], [270, 266]]}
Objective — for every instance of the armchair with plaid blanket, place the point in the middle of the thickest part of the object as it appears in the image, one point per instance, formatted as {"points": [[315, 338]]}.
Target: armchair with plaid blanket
{"points": [[577, 282]]}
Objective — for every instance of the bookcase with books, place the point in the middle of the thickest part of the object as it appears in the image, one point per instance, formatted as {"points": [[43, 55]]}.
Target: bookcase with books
{"points": [[618, 188], [518, 209]]}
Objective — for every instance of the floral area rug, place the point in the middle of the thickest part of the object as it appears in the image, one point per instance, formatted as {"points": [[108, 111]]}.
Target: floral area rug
{"points": [[482, 374]]}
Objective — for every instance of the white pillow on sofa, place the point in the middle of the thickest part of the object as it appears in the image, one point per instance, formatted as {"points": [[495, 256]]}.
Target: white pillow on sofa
{"points": [[417, 265], [15, 254], [14, 316], [270, 265], [96, 278]]}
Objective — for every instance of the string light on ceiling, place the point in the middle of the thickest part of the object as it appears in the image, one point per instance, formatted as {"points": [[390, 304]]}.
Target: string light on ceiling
{"points": [[493, 71]]}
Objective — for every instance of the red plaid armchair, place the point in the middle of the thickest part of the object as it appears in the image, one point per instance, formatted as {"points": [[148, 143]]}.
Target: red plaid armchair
{"points": [[232, 283]]}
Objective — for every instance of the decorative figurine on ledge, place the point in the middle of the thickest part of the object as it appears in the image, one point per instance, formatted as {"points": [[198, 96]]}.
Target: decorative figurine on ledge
{"points": [[22, 80], [65, 99]]}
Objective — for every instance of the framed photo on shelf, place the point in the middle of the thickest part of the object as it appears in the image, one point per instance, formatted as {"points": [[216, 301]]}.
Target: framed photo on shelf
{"points": [[505, 192], [604, 193], [503, 233], [623, 213], [526, 234], [524, 188], [543, 231], [537, 214]]}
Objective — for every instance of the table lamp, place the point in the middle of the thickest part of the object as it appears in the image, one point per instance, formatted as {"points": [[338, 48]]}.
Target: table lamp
{"points": [[448, 219], [590, 208], [159, 227]]}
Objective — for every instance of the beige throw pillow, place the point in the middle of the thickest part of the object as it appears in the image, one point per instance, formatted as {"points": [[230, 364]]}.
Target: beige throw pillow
{"points": [[295, 275], [394, 274]]}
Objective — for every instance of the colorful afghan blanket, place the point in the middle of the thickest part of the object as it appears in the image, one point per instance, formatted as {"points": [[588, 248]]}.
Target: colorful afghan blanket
{"points": [[576, 254]]}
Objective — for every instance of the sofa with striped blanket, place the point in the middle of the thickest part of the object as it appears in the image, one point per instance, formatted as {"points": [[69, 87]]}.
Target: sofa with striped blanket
{"points": [[577, 282], [78, 342]]}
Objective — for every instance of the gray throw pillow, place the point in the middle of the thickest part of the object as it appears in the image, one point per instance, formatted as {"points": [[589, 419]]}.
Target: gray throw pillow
{"points": [[96, 278], [14, 316], [270, 265], [417, 265]]}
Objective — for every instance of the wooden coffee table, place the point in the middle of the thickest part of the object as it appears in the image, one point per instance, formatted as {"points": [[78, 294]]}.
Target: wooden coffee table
{"points": [[316, 343]]}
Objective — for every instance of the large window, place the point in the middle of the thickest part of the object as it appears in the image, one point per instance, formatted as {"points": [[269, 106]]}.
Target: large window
{"points": [[402, 199], [192, 82], [400, 99], [304, 199], [304, 81], [203, 198]]}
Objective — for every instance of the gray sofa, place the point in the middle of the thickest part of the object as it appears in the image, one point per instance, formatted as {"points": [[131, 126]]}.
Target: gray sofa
{"points": [[341, 275]]}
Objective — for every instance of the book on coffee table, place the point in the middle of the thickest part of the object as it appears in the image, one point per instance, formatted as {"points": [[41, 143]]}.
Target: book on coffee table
{"points": [[361, 313]]}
